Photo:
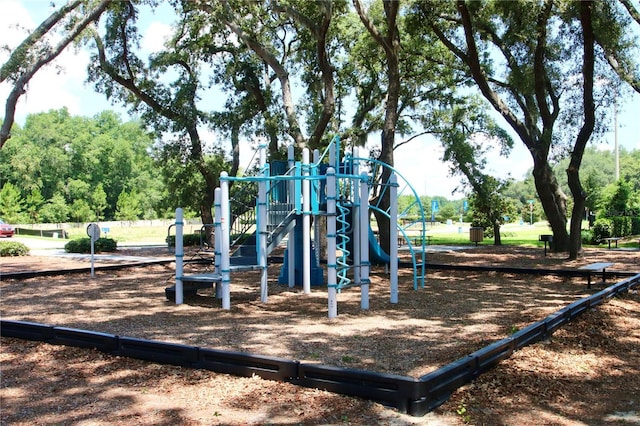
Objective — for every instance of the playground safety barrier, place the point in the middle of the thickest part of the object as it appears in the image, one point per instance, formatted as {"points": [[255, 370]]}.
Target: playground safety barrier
{"points": [[413, 396], [23, 275]]}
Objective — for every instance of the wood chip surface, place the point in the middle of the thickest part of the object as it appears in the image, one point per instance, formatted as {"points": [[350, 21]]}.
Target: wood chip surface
{"points": [[587, 373]]}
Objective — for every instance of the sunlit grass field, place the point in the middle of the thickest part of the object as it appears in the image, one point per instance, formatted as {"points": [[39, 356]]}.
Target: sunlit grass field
{"points": [[441, 234], [513, 234], [137, 234]]}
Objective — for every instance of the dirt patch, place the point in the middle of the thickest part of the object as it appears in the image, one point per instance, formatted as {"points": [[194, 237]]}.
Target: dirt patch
{"points": [[588, 370]]}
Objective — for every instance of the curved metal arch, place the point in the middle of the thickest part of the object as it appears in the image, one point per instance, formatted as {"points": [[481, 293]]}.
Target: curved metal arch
{"points": [[402, 227], [418, 268]]}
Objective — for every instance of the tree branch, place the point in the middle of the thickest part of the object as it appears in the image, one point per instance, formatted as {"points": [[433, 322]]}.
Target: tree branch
{"points": [[635, 14], [277, 67], [473, 62], [398, 145], [19, 54], [23, 80], [539, 75], [370, 26]]}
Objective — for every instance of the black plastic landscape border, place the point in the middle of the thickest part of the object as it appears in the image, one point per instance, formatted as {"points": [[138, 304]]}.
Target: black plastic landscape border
{"points": [[429, 266], [23, 275], [414, 396], [515, 270], [440, 384]]}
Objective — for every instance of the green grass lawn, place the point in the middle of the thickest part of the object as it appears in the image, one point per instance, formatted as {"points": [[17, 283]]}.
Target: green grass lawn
{"points": [[511, 234], [131, 234], [441, 234], [134, 234]]}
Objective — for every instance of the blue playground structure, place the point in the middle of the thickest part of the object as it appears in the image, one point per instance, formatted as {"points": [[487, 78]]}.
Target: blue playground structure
{"points": [[291, 197]]}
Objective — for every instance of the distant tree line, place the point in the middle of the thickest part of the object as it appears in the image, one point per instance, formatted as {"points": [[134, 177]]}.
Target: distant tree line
{"points": [[63, 168]]}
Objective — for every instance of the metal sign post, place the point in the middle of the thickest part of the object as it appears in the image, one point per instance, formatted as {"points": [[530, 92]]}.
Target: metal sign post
{"points": [[530, 211], [93, 231]]}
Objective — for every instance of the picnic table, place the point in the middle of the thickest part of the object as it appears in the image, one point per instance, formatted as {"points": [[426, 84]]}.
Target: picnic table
{"points": [[596, 268], [414, 240], [420, 240], [615, 239]]}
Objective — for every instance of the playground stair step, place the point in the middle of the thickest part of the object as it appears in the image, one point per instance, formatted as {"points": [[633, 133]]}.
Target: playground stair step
{"points": [[202, 278], [243, 260], [279, 232], [191, 284], [245, 250], [194, 282]]}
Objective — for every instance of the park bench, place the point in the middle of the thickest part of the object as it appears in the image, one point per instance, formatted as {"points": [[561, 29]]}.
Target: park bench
{"points": [[420, 240], [593, 268], [615, 239]]}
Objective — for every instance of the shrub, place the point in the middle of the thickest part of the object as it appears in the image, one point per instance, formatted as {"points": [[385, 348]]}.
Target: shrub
{"points": [[83, 245], [187, 240], [587, 236], [620, 226], [601, 230], [12, 248]]}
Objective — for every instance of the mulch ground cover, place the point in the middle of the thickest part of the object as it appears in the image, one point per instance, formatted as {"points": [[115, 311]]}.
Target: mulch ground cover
{"points": [[455, 314]]}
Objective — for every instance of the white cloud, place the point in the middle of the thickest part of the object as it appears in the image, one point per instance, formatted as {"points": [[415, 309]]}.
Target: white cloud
{"points": [[57, 84], [515, 165], [420, 163], [14, 14], [155, 37]]}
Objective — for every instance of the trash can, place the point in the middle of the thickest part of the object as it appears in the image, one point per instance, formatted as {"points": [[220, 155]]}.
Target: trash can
{"points": [[476, 234]]}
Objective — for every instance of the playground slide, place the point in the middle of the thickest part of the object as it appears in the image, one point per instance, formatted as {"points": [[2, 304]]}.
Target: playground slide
{"points": [[376, 254]]}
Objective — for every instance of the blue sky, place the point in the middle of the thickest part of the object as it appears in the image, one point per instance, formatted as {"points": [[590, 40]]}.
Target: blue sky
{"points": [[63, 85]]}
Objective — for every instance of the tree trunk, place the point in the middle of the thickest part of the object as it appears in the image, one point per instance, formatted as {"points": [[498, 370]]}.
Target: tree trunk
{"points": [[554, 201], [43, 59], [384, 200], [235, 149], [390, 42], [575, 226], [554, 204], [573, 176], [497, 240]]}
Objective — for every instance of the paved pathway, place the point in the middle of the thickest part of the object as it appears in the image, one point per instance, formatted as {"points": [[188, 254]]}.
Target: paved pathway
{"points": [[54, 247]]}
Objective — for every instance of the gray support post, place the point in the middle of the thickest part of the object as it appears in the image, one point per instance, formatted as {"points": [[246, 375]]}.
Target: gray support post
{"points": [[262, 225], [332, 292], [364, 241], [179, 256], [291, 241], [225, 223], [393, 235], [217, 224], [306, 224]]}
